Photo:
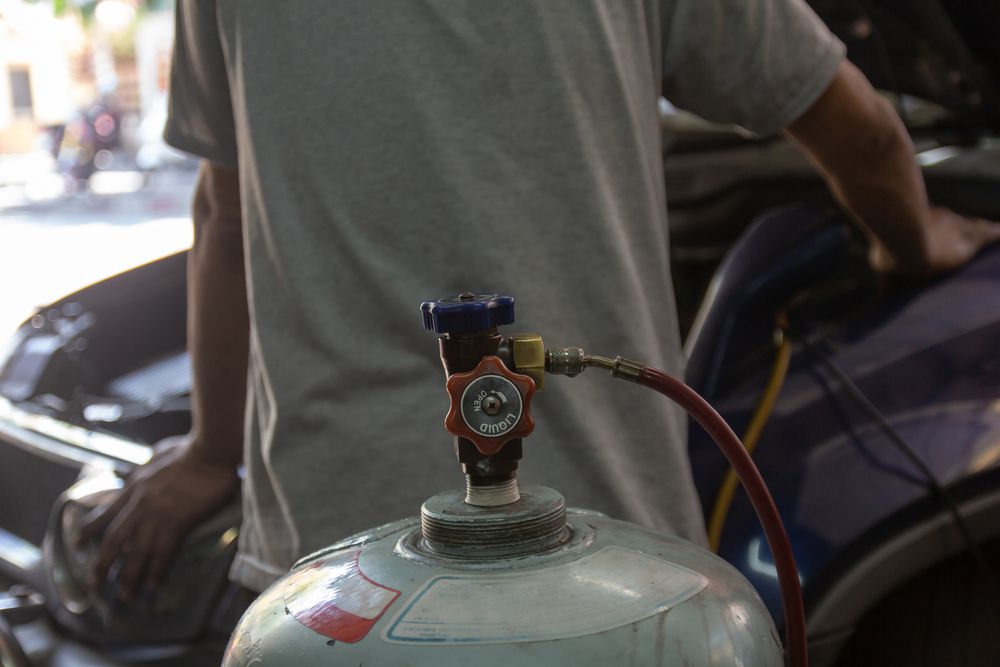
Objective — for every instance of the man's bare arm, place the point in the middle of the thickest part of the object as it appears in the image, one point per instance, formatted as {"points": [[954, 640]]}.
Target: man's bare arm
{"points": [[858, 141], [218, 322], [189, 478]]}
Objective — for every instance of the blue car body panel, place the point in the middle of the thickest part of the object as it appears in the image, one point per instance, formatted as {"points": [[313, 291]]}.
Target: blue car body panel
{"points": [[929, 359]]}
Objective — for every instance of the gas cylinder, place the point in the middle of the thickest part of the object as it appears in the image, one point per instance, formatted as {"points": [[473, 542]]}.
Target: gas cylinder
{"points": [[503, 573]]}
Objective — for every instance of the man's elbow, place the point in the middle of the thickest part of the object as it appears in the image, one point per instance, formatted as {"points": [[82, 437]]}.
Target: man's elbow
{"points": [[884, 135], [851, 124], [216, 205]]}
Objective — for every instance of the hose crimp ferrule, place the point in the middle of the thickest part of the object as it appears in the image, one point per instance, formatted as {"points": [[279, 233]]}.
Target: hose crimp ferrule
{"points": [[626, 369]]}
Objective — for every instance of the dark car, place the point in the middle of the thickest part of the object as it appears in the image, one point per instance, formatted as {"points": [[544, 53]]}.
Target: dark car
{"points": [[882, 448]]}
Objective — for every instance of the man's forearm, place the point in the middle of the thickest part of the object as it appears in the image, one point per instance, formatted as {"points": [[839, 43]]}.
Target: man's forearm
{"points": [[218, 321], [865, 152], [888, 194]]}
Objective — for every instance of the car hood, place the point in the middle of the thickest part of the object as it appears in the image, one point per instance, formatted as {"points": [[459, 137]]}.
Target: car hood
{"points": [[944, 51]]}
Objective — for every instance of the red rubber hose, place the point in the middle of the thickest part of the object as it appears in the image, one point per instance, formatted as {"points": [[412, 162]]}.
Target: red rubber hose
{"points": [[760, 497]]}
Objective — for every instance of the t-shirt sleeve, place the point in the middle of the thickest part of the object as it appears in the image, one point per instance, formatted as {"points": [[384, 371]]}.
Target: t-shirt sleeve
{"points": [[200, 112], [759, 64]]}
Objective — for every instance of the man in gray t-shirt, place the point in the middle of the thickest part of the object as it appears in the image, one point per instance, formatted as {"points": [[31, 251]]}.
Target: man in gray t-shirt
{"points": [[361, 157]]}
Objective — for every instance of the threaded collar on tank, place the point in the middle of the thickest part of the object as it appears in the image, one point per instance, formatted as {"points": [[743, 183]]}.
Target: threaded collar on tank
{"points": [[533, 524]]}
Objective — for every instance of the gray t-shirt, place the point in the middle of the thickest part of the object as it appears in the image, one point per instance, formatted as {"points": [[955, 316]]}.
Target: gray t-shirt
{"points": [[393, 152]]}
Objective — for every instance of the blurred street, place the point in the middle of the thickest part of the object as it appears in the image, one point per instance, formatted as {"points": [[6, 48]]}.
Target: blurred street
{"points": [[53, 242], [87, 186]]}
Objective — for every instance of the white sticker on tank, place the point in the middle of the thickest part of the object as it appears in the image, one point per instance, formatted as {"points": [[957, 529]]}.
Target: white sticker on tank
{"points": [[602, 591]]}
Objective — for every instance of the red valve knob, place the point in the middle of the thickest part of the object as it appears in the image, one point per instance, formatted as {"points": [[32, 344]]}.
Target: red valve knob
{"points": [[490, 405]]}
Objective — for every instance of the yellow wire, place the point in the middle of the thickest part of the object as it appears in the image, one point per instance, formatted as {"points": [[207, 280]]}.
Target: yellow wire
{"points": [[750, 439]]}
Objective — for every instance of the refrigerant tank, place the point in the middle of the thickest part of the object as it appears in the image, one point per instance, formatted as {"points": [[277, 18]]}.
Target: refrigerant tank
{"points": [[497, 574], [608, 593]]}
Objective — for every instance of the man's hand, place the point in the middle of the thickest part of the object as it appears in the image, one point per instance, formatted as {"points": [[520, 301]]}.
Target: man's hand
{"points": [[189, 478], [161, 503], [952, 240]]}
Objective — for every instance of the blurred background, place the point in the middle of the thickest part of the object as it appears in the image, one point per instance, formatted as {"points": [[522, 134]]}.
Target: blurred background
{"points": [[83, 88]]}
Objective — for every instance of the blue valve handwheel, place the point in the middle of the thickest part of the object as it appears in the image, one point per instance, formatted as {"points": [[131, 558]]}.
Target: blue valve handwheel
{"points": [[468, 313]]}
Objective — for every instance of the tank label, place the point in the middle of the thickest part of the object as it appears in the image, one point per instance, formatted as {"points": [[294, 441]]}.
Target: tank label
{"points": [[605, 590], [333, 597]]}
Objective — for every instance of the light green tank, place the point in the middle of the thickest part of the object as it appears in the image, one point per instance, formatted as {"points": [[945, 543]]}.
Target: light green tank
{"points": [[500, 575], [527, 583]]}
